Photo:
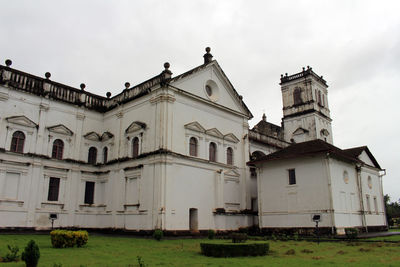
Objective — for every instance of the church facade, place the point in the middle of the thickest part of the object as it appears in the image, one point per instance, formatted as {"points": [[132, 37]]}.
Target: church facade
{"points": [[173, 153]]}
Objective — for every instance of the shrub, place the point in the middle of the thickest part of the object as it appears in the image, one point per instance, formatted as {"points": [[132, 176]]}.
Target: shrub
{"points": [[239, 237], [68, 239], [158, 234], [211, 234], [234, 250], [141, 262], [31, 254], [351, 233], [12, 255], [81, 238]]}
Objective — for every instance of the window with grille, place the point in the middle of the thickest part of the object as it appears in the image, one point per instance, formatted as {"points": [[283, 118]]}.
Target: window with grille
{"points": [[229, 156], [17, 142], [89, 193], [54, 188], [292, 176], [58, 149], [193, 147], [92, 156], [135, 147], [213, 152]]}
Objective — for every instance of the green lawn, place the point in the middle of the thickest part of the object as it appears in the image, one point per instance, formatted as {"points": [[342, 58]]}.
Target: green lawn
{"points": [[123, 251]]}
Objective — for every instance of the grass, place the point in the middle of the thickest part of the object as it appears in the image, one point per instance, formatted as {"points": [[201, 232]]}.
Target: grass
{"points": [[123, 251]]}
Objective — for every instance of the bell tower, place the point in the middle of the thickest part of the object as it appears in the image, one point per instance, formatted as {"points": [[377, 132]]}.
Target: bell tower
{"points": [[306, 113]]}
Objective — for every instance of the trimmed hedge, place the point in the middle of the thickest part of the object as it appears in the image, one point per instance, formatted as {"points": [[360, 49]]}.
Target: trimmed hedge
{"points": [[234, 249], [68, 239]]}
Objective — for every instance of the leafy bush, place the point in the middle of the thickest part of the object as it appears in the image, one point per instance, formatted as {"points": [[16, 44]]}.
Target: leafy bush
{"points": [[31, 254], [12, 255], [68, 239], [351, 233], [234, 249], [81, 238], [158, 234], [239, 237], [211, 234]]}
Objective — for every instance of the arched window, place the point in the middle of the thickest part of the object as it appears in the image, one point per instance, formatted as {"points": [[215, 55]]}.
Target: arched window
{"points": [[17, 142], [92, 156], [135, 147], [105, 154], [229, 156], [297, 96], [193, 147], [213, 152], [58, 149]]}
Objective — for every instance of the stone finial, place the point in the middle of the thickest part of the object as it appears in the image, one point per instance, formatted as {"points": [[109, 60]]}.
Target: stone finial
{"points": [[286, 74], [281, 75], [108, 94], [264, 117], [82, 86], [207, 56], [308, 67], [166, 68], [127, 85], [8, 62], [47, 75], [240, 97], [304, 69]]}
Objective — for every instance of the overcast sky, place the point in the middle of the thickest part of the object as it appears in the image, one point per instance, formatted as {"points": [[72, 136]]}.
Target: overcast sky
{"points": [[355, 45]]}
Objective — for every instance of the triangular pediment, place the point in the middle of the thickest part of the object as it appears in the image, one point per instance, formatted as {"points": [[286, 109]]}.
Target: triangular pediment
{"points": [[92, 136], [231, 172], [60, 129], [224, 95], [195, 126], [22, 120], [135, 126], [300, 130], [106, 136], [214, 132], [231, 137]]}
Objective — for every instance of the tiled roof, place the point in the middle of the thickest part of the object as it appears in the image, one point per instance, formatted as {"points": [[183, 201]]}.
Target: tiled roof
{"points": [[307, 149]]}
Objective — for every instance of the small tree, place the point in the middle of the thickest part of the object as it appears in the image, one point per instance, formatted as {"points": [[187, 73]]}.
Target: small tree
{"points": [[31, 254]]}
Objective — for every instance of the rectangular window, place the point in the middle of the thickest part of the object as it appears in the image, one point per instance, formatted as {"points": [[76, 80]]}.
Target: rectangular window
{"points": [[376, 205], [54, 187], [89, 193], [10, 189], [368, 203], [292, 176], [132, 191]]}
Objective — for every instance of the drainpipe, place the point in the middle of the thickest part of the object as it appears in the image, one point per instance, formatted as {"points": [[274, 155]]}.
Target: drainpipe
{"points": [[328, 173], [359, 184], [383, 201]]}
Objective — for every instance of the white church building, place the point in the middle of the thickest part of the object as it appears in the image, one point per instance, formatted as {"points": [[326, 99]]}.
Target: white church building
{"points": [[176, 153]]}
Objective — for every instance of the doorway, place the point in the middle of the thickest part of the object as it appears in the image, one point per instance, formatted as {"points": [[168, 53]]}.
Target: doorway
{"points": [[193, 220]]}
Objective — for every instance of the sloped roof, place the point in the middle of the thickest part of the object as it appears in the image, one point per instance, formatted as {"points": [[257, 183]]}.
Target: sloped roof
{"points": [[316, 147], [356, 152], [307, 149], [215, 63], [267, 128]]}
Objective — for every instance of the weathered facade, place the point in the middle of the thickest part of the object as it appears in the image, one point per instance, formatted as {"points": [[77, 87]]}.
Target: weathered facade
{"points": [[169, 153]]}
